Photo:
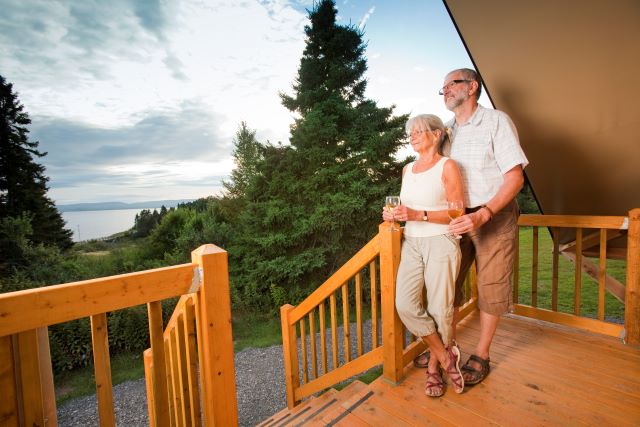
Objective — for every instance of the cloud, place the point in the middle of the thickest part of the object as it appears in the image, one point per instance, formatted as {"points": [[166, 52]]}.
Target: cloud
{"points": [[164, 148], [366, 17]]}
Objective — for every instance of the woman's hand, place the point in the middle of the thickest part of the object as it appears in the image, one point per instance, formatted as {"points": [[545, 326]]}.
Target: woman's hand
{"points": [[403, 213], [387, 215]]}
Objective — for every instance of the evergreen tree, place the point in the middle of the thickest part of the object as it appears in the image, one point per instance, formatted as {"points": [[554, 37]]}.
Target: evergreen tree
{"points": [[314, 204], [23, 184], [247, 153]]}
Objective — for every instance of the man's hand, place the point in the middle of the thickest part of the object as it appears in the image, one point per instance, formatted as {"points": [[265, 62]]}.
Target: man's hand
{"points": [[469, 222]]}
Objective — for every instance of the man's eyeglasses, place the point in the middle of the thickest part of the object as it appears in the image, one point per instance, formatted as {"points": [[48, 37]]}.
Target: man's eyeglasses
{"points": [[451, 84]]}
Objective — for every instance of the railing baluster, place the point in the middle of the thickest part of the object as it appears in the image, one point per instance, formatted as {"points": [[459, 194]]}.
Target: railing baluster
{"points": [[102, 366], [534, 269], [28, 372], [175, 375], [602, 277], [555, 234], [577, 289], [516, 268], [170, 386], [312, 341], [303, 345], [181, 353], [191, 355], [334, 329], [148, 377], [346, 328], [159, 382], [323, 338], [374, 304], [359, 313]]}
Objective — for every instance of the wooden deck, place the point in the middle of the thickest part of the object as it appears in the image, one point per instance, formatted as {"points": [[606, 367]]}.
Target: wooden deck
{"points": [[541, 374]]}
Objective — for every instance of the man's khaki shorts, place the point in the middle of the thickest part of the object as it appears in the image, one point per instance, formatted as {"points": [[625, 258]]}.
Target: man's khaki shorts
{"points": [[493, 246]]}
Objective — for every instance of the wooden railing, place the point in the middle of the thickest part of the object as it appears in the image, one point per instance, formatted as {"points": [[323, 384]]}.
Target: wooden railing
{"points": [[26, 378], [578, 252], [370, 273], [382, 254]]}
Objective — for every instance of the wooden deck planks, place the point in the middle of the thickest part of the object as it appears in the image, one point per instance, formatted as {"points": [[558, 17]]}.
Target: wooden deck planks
{"points": [[541, 374]]}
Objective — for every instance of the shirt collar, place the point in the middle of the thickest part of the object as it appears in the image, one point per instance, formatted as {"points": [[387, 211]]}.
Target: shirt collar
{"points": [[475, 119]]}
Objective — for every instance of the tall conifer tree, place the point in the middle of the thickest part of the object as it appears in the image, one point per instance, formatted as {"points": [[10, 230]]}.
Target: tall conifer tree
{"points": [[316, 202], [23, 184]]}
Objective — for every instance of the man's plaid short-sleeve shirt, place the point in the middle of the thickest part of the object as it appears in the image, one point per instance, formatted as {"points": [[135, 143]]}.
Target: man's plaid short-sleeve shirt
{"points": [[485, 148]]}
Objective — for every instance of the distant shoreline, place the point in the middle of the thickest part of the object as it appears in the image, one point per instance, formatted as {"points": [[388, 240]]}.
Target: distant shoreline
{"points": [[108, 206]]}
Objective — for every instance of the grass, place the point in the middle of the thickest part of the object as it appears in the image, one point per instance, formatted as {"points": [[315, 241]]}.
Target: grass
{"points": [[255, 330], [81, 382]]}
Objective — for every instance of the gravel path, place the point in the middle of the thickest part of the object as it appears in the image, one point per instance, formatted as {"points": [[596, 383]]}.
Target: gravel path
{"points": [[259, 382]]}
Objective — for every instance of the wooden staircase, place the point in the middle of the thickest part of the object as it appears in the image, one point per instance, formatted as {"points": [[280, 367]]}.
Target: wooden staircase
{"points": [[330, 408]]}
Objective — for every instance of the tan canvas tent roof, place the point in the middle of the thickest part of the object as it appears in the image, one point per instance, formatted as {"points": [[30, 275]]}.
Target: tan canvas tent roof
{"points": [[568, 74]]}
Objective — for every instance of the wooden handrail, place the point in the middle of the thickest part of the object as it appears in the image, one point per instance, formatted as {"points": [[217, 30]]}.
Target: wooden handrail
{"points": [[574, 221], [34, 308]]}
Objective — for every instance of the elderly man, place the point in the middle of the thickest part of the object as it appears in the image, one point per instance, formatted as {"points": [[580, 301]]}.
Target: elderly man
{"points": [[486, 147]]}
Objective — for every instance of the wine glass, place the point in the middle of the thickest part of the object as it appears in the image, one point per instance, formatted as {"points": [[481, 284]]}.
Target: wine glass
{"points": [[391, 203], [455, 209]]}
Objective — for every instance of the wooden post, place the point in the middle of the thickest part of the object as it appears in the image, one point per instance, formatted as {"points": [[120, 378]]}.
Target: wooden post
{"points": [[216, 341], [632, 293], [391, 325], [290, 353]]}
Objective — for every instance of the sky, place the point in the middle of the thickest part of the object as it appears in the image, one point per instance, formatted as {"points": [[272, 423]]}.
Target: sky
{"points": [[140, 100]]}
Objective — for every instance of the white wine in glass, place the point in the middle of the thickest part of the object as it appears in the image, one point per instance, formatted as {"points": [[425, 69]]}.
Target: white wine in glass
{"points": [[391, 203], [455, 209]]}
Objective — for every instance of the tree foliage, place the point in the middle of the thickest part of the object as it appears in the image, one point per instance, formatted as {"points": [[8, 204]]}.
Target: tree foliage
{"points": [[313, 203], [23, 184]]}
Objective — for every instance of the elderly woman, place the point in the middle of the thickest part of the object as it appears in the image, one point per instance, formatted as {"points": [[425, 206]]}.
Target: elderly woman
{"points": [[430, 255]]}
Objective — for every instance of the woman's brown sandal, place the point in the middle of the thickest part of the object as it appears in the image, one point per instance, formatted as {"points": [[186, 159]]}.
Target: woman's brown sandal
{"points": [[453, 369], [435, 384], [472, 375]]}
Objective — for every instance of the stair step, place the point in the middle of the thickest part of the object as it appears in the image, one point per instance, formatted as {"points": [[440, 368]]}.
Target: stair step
{"points": [[347, 400], [312, 411], [290, 417]]}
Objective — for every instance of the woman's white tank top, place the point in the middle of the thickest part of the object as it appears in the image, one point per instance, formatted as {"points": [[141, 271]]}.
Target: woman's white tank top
{"points": [[424, 191]]}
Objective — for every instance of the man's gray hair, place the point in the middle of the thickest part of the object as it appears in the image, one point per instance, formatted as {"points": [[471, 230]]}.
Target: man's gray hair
{"points": [[469, 74]]}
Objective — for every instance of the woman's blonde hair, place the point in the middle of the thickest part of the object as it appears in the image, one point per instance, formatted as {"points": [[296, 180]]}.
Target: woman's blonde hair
{"points": [[425, 122]]}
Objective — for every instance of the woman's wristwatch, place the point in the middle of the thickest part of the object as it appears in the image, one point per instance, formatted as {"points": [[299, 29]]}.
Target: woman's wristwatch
{"points": [[425, 217]]}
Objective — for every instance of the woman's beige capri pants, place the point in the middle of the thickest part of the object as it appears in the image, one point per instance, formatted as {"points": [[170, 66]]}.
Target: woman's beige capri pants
{"points": [[432, 262]]}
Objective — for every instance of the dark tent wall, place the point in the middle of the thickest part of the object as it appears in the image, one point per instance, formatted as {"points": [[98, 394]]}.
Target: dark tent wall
{"points": [[568, 73]]}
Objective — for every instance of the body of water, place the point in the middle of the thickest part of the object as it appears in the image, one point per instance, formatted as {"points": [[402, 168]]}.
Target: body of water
{"points": [[87, 225]]}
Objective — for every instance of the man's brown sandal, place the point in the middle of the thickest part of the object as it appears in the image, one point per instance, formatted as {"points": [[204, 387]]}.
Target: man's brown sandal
{"points": [[472, 375], [435, 384]]}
